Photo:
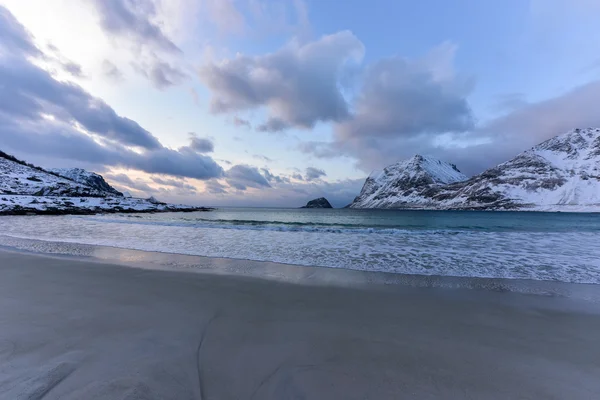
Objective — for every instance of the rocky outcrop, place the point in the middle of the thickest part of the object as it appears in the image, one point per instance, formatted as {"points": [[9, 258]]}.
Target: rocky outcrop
{"points": [[321, 202], [90, 179]]}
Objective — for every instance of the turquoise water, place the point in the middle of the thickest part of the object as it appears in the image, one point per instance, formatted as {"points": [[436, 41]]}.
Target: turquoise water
{"points": [[541, 246], [481, 221]]}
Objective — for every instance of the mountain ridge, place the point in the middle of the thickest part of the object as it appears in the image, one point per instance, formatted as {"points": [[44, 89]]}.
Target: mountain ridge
{"points": [[559, 174], [28, 189]]}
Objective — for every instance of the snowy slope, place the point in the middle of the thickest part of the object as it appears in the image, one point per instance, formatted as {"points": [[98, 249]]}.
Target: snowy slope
{"points": [[407, 184], [26, 189], [19, 178], [560, 174], [25, 204], [87, 178]]}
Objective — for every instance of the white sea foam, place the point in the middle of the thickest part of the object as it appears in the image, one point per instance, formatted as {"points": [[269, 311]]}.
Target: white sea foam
{"points": [[563, 256]]}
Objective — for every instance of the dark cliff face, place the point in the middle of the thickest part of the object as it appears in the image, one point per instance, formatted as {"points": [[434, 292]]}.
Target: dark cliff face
{"points": [[321, 202]]}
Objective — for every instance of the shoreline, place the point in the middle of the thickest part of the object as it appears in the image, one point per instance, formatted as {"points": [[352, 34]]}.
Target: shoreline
{"points": [[291, 273], [75, 329]]}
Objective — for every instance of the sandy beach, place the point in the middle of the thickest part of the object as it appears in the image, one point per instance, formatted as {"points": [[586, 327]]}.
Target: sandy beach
{"points": [[75, 329]]}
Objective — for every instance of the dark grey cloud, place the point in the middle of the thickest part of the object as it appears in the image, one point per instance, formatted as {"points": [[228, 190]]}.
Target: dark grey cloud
{"points": [[242, 177], [297, 84], [201, 145], [132, 19], [111, 71], [297, 176], [40, 115], [314, 173], [29, 91]]}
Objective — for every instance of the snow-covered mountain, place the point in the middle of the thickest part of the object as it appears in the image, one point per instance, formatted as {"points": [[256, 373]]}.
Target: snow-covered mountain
{"points": [[26, 189], [560, 174], [87, 178], [17, 177], [408, 184]]}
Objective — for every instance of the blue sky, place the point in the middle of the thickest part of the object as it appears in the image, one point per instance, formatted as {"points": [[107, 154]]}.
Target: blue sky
{"points": [[286, 88]]}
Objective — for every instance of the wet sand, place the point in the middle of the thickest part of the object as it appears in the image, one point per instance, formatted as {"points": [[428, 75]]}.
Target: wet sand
{"points": [[75, 329]]}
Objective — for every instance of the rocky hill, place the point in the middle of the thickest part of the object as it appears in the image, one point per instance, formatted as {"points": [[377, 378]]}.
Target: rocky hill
{"points": [[87, 178], [560, 174], [321, 202], [27, 189]]}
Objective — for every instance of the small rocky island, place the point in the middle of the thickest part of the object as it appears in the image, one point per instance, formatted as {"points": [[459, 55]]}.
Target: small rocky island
{"points": [[321, 202]]}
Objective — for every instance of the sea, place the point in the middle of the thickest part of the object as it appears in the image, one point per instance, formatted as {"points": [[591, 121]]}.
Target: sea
{"points": [[516, 245]]}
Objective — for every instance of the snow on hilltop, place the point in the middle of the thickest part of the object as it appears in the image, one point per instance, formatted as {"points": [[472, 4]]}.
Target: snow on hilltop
{"points": [[87, 178], [560, 174], [17, 177], [26, 189], [406, 184]]}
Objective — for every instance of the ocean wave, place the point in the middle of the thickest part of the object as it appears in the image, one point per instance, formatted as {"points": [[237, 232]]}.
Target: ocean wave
{"points": [[281, 226]]}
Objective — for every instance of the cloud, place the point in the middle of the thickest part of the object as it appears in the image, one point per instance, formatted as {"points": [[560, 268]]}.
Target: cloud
{"points": [[175, 183], [126, 181], [314, 173], [40, 115], [160, 73], [242, 177], [137, 24], [111, 71], [73, 68], [273, 125], [274, 178], [298, 84], [262, 157], [403, 106], [214, 187], [201, 145], [240, 122], [133, 20], [15, 39], [28, 91], [401, 98], [225, 15], [319, 149], [509, 102]]}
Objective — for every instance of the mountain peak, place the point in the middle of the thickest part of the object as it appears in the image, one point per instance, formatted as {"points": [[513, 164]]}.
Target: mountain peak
{"points": [[561, 173], [399, 183]]}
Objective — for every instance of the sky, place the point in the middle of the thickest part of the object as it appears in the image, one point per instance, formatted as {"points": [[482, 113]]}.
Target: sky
{"points": [[274, 103]]}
